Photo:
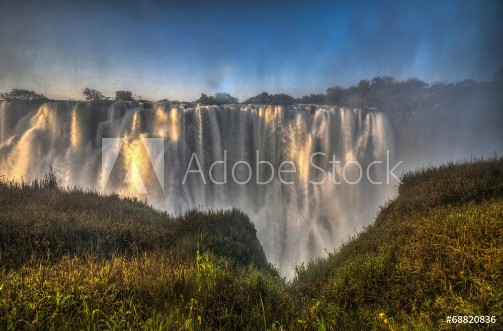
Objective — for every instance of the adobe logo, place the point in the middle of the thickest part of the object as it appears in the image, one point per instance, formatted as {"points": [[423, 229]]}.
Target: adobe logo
{"points": [[136, 163]]}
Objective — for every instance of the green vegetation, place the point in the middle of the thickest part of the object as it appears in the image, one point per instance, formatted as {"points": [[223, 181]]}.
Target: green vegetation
{"points": [[74, 259], [124, 96], [219, 99], [24, 95], [385, 93], [93, 95], [436, 250], [271, 99], [71, 259]]}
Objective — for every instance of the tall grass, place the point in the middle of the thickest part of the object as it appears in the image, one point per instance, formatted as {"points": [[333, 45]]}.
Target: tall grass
{"points": [[71, 259], [436, 250]]}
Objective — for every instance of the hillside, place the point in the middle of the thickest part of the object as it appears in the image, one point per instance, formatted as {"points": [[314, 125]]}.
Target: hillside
{"points": [[436, 250], [77, 260]]}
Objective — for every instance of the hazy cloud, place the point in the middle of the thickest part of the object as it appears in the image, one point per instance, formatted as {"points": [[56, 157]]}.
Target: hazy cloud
{"points": [[60, 47]]}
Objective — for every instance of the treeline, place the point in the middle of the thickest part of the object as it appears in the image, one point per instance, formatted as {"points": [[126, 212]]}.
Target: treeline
{"points": [[383, 92], [89, 95], [20, 94]]}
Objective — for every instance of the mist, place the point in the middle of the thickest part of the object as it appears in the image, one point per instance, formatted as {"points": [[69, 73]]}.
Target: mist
{"points": [[178, 50], [336, 60]]}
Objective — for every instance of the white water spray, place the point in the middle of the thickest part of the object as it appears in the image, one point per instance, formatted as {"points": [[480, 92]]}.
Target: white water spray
{"points": [[294, 222]]}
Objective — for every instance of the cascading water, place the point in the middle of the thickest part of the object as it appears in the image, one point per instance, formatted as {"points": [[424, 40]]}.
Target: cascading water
{"points": [[295, 218]]}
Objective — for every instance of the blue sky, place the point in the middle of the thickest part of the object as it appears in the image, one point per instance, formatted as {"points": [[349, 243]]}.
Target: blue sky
{"points": [[180, 49]]}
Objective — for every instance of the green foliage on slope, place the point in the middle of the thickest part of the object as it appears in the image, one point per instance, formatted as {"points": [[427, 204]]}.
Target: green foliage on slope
{"points": [[436, 250], [40, 221], [78, 260]]}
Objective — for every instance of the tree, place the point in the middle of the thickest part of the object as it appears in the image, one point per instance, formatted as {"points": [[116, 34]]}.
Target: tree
{"points": [[93, 95], [282, 99], [381, 82], [218, 99], [262, 98], [364, 85], [124, 96], [317, 99], [269, 99], [20, 94], [206, 100], [334, 95], [223, 98]]}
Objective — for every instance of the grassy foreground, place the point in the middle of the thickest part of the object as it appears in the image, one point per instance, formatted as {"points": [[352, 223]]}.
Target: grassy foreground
{"points": [[77, 260]]}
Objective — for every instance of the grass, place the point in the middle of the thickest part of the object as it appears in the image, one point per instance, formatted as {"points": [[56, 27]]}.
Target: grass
{"points": [[71, 259], [436, 250]]}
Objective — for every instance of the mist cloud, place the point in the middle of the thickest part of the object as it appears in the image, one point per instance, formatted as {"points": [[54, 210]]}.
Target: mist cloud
{"points": [[159, 49]]}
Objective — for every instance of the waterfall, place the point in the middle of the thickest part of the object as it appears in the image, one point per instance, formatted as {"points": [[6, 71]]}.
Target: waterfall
{"points": [[296, 220]]}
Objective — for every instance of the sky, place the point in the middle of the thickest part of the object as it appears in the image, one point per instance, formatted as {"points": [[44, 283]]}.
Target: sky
{"points": [[180, 49]]}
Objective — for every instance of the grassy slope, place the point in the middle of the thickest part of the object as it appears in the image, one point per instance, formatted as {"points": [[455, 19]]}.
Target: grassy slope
{"points": [[79, 260], [73, 259], [436, 250]]}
